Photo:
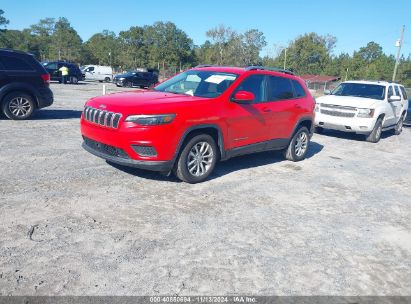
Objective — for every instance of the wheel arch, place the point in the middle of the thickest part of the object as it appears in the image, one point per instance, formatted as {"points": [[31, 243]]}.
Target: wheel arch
{"points": [[211, 129], [12, 88], [306, 122]]}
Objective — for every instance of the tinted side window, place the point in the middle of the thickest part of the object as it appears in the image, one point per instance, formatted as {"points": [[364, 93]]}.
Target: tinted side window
{"points": [[279, 88], [15, 64], [404, 93], [90, 69], [397, 91], [51, 66], [390, 92], [255, 85], [298, 89]]}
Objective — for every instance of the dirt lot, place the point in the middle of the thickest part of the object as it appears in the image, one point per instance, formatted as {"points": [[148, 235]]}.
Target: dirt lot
{"points": [[337, 223]]}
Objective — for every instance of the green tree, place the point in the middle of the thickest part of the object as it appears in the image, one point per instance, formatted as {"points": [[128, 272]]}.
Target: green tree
{"points": [[309, 53], [43, 34], [66, 43], [104, 48], [134, 51], [3, 20]]}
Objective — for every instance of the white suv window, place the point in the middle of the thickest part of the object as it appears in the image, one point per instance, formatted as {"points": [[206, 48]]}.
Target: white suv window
{"points": [[390, 92], [397, 91]]}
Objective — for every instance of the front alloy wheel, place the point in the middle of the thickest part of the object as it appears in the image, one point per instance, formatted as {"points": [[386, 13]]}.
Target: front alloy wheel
{"points": [[200, 158], [197, 159]]}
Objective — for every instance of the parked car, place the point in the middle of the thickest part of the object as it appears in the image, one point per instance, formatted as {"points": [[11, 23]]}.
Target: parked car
{"points": [[192, 120], [363, 107], [136, 79], [407, 120], [24, 85], [52, 67], [97, 72]]}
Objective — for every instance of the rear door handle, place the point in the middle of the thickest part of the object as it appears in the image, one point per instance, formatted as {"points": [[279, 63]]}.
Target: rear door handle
{"points": [[266, 110], [296, 105]]}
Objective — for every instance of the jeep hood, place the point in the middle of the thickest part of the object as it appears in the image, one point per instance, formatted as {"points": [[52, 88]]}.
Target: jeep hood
{"points": [[138, 100], [347, 101]]}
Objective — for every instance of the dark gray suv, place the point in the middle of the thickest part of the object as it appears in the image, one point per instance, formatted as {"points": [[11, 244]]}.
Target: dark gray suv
{"points": [[24, 85]]}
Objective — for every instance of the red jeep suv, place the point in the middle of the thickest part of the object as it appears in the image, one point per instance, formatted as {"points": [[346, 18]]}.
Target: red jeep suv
{"points": [[192, 120]]}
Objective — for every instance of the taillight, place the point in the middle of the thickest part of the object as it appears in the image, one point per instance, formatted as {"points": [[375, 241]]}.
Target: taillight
{"points": [[46, 78]]}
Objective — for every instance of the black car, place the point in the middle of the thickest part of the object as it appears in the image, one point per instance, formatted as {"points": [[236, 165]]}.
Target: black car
{"points": [[24, 85], [136, 79], [52, 67], [407, 120]]}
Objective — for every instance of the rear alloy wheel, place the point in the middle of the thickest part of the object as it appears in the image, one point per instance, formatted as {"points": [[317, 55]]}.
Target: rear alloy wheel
{"points": [[74, 80], [18, 106], [197, 159], [298, 146], [399, 125], [375, 135]]}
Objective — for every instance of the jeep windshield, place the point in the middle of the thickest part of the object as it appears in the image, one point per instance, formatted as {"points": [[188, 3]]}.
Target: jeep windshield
{"points": [[198, 83], [364, 90]]}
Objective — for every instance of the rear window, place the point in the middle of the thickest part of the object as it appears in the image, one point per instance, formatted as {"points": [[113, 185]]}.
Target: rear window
{"points": [[299, 91], [15, 64]]}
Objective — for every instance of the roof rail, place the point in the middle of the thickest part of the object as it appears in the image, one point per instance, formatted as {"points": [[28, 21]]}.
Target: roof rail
{"points": [[256, 67], [206, 66], [15, 51]]}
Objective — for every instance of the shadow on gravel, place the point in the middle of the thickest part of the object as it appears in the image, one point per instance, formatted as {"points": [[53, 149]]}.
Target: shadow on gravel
{"points": [[352, 136], [45, 114], [225, 167]]}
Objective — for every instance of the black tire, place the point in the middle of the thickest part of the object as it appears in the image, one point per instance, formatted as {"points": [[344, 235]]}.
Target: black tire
{"points": [[203, 165], [319, 130], [399, 125], [74, 80], [107, 79], [298, 146], [375, 135], [18, 106], [100, 81], [127, 84]]}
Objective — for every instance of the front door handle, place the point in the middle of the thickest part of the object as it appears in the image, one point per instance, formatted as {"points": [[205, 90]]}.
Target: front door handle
{"points": [[266, 110]]}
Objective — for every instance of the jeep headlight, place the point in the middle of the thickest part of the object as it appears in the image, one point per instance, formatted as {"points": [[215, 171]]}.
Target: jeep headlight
{"points": [[365, 113], [151, 120]]}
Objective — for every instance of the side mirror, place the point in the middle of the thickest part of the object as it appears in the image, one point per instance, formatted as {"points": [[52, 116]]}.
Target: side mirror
{"points": [[327, 92], [243, 97], [394, 98]]}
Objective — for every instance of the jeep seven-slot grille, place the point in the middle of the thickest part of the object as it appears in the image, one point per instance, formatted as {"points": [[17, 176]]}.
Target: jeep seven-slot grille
{"points": [[102, 117]]}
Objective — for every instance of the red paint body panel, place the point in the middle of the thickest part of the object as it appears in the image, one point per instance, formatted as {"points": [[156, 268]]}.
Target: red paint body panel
{"points": [[239, 124]]}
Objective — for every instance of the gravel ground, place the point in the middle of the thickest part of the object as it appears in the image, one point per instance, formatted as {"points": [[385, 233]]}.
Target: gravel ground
{"points": [[337, 223]]}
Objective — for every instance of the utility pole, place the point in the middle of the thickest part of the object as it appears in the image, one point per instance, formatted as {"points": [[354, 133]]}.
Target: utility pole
{"points": [[397, 61], [285, 58]]}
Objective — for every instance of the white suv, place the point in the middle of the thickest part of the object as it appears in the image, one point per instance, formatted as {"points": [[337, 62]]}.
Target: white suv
{"points": [[364, 107]]}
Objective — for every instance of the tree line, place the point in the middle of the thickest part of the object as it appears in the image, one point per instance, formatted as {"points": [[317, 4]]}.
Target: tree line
{"points": [[163, 45]]}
